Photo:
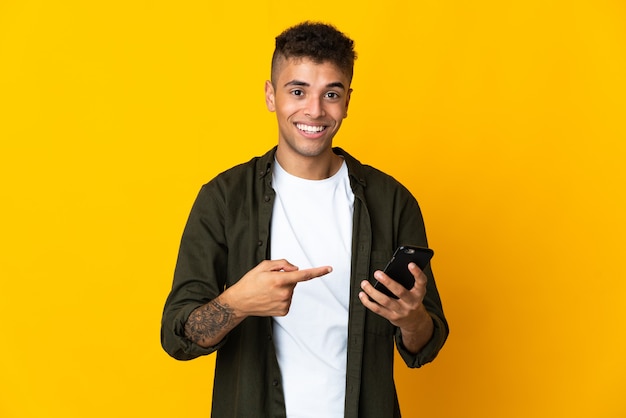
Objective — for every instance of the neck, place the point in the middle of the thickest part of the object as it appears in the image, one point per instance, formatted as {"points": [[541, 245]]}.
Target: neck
{"points": [[311, 168]]}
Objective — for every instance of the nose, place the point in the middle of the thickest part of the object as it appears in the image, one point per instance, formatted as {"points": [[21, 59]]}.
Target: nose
{"points": [[314, 108]]}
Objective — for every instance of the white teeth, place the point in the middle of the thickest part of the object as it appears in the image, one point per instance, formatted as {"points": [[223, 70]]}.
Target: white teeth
{"points": [[308, 128]]}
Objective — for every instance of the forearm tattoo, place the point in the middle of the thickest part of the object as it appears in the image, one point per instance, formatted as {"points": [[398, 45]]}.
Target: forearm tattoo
{"points": [[208, 321]]}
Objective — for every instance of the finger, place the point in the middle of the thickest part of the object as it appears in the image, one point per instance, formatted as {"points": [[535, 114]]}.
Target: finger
{"points": [[392, 285], [369, 302], [306, 274], [418, 274], [372, 294]]}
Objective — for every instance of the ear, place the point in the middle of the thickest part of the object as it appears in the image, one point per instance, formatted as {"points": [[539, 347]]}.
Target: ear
{"points": [[345, 113], [270, 97]]}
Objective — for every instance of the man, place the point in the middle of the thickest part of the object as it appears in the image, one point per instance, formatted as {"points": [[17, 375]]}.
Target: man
{"points": [[276, 260]]}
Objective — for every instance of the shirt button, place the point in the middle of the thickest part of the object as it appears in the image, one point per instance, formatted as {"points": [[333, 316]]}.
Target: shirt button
{"points": [[275, 383], [267, 198], [259, 243]]}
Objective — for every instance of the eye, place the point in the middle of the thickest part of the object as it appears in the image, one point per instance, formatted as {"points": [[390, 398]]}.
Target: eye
{"points": [[297, 92], [332, 95]]}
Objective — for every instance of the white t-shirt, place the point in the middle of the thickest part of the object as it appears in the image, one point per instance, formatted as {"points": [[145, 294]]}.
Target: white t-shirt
{"points": [[311, 227]]}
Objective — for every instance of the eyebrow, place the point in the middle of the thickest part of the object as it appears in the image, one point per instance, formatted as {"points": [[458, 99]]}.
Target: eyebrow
{"points": [[335, 84]]}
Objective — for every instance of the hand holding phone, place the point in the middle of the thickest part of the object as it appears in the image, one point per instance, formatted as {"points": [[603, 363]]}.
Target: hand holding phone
{"points": [[398, 266]]}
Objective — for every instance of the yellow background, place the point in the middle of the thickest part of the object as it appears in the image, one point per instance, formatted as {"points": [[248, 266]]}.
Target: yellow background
{"points": [[506, 119]]}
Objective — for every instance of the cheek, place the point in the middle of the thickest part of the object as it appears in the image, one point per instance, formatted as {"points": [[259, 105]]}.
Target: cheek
{"points": [[285, 113], [339, 113]]}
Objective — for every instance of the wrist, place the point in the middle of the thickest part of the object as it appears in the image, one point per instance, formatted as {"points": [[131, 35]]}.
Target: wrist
{"points": [[414, 338]]}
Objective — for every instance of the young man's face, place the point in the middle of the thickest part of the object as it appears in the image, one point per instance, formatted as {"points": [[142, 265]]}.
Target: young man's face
{"points": [[310, 101]]}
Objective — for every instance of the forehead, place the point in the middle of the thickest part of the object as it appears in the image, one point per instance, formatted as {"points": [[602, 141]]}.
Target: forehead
{"points": [[306, 70]]}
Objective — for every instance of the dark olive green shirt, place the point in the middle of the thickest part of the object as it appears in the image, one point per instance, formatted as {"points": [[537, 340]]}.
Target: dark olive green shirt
{"points": [[228, 233]]}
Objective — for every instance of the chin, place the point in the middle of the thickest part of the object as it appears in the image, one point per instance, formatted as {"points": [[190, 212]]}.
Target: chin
{"points": [[313, 150]]}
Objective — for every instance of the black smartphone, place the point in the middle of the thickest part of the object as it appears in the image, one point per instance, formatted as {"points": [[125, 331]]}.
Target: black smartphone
{"points": [[398, 266]]}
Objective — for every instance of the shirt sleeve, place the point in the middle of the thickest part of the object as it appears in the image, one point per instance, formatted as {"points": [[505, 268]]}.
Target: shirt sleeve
{"points": [[413, 232], [429, 351], [199, 274], [173, 337]]}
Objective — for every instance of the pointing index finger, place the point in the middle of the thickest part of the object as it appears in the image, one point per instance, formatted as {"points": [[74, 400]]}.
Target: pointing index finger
{"points": [[307, 274]]}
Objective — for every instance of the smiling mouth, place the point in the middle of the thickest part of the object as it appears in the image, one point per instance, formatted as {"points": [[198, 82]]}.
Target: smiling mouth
{"points": [[310, 129]]}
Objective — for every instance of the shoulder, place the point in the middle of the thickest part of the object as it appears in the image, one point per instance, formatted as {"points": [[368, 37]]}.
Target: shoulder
{"points": [[370, 177], [255, 169]]}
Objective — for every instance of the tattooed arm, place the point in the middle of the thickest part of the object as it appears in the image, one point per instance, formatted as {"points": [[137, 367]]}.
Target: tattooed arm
{"points": [[210, 323], [266, 290]]}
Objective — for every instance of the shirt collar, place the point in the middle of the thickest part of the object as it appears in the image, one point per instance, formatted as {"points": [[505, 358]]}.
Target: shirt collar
{"points": [[355, 168]]}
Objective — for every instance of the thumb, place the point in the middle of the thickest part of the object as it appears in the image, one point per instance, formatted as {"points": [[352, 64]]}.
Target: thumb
{"points": [[277, 265]]}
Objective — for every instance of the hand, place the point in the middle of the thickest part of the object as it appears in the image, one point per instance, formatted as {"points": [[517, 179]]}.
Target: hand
{"points": [[267, 289], [407, 312]]}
